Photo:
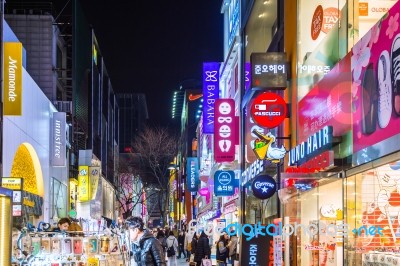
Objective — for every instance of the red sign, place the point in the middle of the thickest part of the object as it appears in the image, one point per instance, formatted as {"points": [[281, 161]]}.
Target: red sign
{"points": [[268, 110], [316, 23], [225, 130]]}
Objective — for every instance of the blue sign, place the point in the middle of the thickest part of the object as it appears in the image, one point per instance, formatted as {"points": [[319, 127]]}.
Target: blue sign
{"points": [[263, 186], [192, 170], [224, 183], [210, 94]]}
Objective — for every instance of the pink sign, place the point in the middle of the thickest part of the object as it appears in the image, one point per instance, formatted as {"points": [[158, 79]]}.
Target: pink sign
{"points": [[205, 193], [224, 130], [375, 65], [328, 103]]}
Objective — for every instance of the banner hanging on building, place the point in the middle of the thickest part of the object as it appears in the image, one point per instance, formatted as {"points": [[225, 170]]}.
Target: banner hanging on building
{"points": [[192, 177], [94, 176], [210, 94], [12, 76], [83, 180], [58, 146], [225, 130]]}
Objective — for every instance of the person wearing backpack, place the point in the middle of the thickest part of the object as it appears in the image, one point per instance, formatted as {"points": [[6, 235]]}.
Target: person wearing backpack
{"points": [[172, 249], [188, 244]]}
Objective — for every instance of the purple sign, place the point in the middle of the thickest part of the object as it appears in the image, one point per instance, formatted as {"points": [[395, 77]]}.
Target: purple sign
{"points": [[210, 94], [225, 130], [247, 75]]}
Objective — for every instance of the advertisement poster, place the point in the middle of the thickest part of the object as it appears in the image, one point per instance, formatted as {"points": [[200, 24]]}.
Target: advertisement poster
{"points": [[375, 70], [328, 103]]}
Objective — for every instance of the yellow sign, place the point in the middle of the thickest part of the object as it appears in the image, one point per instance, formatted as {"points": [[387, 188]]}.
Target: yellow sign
{"points": [[83, 180], [94, 175], [28, 203], [12, 76], [13, 183]]}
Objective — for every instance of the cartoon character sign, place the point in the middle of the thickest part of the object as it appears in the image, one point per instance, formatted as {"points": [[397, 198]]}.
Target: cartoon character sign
{"points": [[264, 150]]}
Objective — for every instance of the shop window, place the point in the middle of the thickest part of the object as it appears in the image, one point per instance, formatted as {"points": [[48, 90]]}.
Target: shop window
{"points": [[59, 199], [372, 201]]}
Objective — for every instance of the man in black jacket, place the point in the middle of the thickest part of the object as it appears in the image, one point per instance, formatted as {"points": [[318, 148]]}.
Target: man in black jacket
{"points": [[146, 249]]}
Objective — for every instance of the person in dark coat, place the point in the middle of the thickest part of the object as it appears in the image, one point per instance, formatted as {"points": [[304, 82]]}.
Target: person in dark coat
{"points": [[203, 250], [162, 239], [181, 244], [146, 248]]}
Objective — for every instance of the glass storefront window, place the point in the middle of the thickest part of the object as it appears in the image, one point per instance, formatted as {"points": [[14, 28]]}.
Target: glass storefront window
{"points": [[373, 209], [260, 27], [313, 208], [59, 199], [323, 39]]}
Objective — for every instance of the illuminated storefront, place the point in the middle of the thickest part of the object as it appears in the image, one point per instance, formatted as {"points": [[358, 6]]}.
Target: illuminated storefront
{"points": [[346, 212]]}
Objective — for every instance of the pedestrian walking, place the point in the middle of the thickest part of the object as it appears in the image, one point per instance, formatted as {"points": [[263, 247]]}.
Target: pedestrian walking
{"points": [[147, 251], [203, 250], [181, 245], [188, 244], [172, 249], [232, 246]]}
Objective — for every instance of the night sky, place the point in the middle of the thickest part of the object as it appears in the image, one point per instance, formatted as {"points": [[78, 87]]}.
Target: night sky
{"points": [[152, 46]]}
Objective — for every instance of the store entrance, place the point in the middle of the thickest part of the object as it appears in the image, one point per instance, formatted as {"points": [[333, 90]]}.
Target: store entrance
{"points": [[313, 219]]}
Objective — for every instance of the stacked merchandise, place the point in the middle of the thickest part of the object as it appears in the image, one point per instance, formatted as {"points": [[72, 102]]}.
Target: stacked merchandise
{"points": [[61, 249]]}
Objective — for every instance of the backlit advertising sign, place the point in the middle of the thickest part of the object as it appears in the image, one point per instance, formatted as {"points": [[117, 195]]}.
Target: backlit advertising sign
{"points": [[12, 76], [328, 103], [58, 143], [268, 110], [376, 90], [268, 70], [225, 130], [192, 177], [210, 94]]}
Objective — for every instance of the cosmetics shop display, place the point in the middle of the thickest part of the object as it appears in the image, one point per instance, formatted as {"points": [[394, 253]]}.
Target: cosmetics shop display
{"points": [[49, 249]]}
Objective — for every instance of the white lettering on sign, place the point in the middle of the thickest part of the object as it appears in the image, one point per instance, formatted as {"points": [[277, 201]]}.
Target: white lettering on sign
{"points": [[253, 255], [273, 68], [253, 170], [258, 185], [57, 139], [11, 79], [313, 69], [192, 174], [210, 104], [314, 144]]}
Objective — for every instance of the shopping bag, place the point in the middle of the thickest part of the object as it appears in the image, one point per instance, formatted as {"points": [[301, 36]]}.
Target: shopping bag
{"points": [[206, 262]]}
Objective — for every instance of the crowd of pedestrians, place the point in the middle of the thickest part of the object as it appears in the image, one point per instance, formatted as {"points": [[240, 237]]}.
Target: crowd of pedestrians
{"points": [[160, 247]]}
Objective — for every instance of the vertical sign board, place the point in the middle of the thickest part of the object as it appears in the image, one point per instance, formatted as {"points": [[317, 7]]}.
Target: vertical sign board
{"points": [[192, 177], [210, 94], [258, 250], [12, 76], [58, 145], [14, 184], [83, 180], [225, 130], [94, 176], [268, 70]]}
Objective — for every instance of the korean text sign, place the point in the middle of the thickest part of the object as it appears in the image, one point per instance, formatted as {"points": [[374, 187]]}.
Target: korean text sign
{"points": [[210, 94], [224, 183], [225, 130], [268, 70]]}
